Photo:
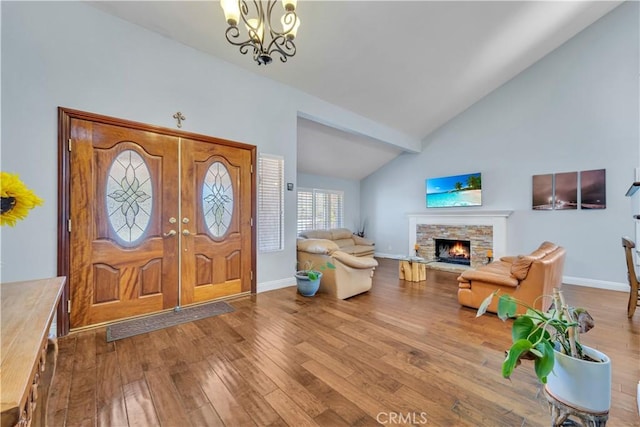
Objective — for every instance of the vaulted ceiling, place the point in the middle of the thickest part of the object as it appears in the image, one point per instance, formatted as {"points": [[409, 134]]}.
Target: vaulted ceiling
{"points": [[411, 65]]}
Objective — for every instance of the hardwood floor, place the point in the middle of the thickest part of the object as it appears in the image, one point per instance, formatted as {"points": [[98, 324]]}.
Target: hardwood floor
{"points": [[402, 354]]}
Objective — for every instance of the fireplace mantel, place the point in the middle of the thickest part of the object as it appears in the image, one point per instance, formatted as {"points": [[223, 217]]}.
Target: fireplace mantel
{"points": [[497, 219], [462, 213]]}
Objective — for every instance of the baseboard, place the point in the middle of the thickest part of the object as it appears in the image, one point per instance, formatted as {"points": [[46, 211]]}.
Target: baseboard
{"points": [[276, 284], [391, 256], [601, 284]]}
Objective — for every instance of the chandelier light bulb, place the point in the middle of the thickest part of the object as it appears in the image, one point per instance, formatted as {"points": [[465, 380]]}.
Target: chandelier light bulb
{"points": [[289, 5], [290, 24], [255, 29], [231, 10]]}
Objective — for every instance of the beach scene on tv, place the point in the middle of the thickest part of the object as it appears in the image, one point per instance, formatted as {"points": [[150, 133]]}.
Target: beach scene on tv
{"points": [[452, 191]]}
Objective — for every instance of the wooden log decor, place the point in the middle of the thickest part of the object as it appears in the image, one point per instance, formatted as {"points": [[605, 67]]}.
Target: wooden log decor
{"points": [[412, 271]]}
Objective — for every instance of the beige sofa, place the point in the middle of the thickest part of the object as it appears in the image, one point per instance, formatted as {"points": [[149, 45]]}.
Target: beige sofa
{"points": [[525, 277], [345, 240], [352, 274]]}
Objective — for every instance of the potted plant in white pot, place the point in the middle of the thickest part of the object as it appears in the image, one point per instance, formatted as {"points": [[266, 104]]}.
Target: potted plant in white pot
{"points": [[308, 279], [574, 374]]}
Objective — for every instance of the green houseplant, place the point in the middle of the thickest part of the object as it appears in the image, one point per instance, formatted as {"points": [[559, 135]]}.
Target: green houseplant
{"points": [[552, 339], [308, 278]]}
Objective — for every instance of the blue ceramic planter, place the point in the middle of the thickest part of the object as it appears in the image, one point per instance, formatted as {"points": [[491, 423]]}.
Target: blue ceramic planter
{"points": [[306, 286]]}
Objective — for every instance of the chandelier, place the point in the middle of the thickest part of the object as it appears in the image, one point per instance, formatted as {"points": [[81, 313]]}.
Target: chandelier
{"points": [[257, 21]]}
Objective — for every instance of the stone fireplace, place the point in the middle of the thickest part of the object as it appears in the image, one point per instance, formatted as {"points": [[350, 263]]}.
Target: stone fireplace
{"points": [[480, 238], [486, 232]]}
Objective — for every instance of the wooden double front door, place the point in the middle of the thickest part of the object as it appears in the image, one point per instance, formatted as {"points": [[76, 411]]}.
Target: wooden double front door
{"points": [[157, 219]]}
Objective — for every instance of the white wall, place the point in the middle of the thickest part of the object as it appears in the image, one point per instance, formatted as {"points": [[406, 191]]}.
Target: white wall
{"points": [[72, 55], [351, 190], [576, 109]]}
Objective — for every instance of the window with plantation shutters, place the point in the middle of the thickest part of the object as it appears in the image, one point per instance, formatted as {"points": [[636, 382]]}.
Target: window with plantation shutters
{"points": [[319, 209], [270, 202]]}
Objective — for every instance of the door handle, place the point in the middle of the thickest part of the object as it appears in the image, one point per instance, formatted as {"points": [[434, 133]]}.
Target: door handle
{"points": [[186, 233], [170, 233]]}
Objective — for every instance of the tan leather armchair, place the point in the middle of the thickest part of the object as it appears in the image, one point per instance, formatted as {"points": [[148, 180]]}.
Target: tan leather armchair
{"points": [[525, 277], [352, 275]]}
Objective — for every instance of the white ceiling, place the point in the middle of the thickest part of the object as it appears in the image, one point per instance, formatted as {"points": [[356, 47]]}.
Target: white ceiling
{"points": [[411, 65]]}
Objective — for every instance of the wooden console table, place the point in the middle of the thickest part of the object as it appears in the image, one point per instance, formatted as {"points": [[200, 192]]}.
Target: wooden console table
{"points": [[28, 354]]}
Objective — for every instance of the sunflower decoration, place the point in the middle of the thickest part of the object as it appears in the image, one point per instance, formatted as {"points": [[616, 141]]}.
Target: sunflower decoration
{"points": [[15, 199]]}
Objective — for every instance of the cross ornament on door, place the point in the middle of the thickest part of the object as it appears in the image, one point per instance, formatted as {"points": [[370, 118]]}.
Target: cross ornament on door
{"points": [[179, 118]]}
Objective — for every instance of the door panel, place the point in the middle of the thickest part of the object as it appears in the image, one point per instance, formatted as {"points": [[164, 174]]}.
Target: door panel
{"points": [[216, 202], [122, 265]]}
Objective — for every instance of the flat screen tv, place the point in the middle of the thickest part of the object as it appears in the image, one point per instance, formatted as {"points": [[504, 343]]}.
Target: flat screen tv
{"points": [[454, 191]]}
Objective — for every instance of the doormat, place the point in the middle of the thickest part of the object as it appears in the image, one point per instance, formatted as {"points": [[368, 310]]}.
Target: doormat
{"points": [[155, 322]]}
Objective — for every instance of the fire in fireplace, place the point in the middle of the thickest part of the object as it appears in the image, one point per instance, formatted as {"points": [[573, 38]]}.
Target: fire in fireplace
{"points": [[453, 251]]}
